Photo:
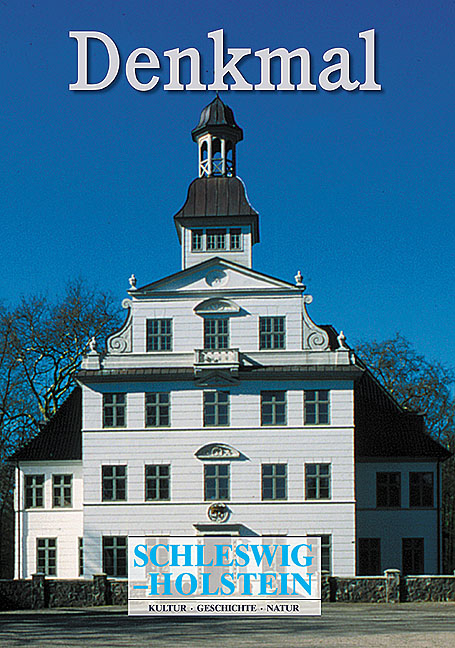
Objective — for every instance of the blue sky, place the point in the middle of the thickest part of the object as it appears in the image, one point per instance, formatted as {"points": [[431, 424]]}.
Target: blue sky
{"points": [[355, 189]]}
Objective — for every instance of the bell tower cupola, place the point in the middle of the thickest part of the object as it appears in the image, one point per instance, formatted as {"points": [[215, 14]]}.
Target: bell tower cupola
{"points": [[217, 220], [217, 135]]}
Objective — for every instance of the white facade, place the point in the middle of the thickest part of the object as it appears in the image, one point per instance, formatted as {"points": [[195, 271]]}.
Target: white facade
{"points": [[53, 520], [221, 407]]}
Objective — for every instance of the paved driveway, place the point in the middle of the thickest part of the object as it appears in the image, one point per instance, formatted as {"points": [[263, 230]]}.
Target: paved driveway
{"points": [[356, 625]]}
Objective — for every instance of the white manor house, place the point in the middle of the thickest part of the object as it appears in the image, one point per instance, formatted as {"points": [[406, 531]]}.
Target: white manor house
{"points": [[220, 407]]}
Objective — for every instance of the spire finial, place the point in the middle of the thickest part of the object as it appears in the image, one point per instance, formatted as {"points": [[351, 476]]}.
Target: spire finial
{"points": [[299, 280], [132, 281]]}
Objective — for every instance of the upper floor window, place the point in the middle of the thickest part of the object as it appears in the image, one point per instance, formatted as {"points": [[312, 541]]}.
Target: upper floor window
{"points": [[317, 481], [235, 237], [274, 481], [273, 408], [388, 489], [197, 240], [113, 483], [115, 555], [62, 490], [157, 482], [317, 404], [34, 491], [46, 556], [216, 333], [421, 489], [216, 239], [272, 333], [114, 410], [216, 482], [157, 409], [159, 335], [216, 408]]}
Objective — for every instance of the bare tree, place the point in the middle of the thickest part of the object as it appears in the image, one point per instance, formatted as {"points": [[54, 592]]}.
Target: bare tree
{"points": [[42, 342], [420, 385]]}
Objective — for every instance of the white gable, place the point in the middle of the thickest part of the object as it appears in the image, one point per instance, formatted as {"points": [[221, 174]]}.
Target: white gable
{"points": [[216, 276]]}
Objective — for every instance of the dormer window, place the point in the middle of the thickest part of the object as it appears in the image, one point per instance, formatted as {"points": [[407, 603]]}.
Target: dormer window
{"points": [[213, 239], [235, 239], [216, 239], [197, 240]]}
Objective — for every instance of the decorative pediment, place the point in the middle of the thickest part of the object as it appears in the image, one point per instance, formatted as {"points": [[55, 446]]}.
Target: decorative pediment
{"points": [[217, 451], [214, 306], [215, 274], [215, 377]]}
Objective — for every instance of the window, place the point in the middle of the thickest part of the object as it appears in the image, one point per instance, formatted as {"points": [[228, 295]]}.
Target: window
{"points": [[369, 556], [114, 483], [216, 239], [420, 489], [34, 491], [81, 556], [216, 482], [274, 478], [159, 335], [157, 409], [197, 240], [114, 410], [62, 487], [46, 556], [412, 556], [317, 406], [235, 236], [388, 489], [273, 408], [216, 408], [216, 333], [272, 333], [326, 551], [317, 481], [114, 556], [157, 482]]}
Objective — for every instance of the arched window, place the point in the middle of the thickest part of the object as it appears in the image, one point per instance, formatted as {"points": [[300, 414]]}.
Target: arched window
{"points": [[204, 159], [229, 158], [217, 160]]}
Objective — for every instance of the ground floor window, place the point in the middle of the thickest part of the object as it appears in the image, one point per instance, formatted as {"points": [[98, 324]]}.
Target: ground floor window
{"points": [[115, 555], [46, 556], [81, 556], [326, 551], [412, 556], [369, 556]]}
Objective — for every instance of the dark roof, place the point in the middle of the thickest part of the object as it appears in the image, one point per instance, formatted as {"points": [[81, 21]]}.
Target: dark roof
{"points": [[217, 117], [218, 198], [61, 437], [270, 372], [333, 335], [384, 429]]}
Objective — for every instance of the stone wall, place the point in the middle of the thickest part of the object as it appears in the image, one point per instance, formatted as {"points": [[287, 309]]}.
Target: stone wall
{"points": [[41, 592], [16, 594], [69, 593], [354, 590], [428, 588]]}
